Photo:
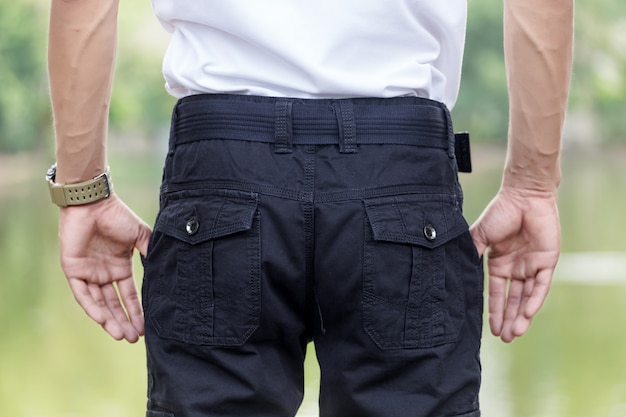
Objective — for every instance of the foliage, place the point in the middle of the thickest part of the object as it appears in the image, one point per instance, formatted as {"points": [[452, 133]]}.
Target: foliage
{"points": [[140, 105], [482, 103], [598, 92], [599, 82], [24, 111]]}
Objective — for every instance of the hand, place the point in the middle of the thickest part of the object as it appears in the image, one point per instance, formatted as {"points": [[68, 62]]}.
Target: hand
{"points": [[521, 230], [96, 242]]}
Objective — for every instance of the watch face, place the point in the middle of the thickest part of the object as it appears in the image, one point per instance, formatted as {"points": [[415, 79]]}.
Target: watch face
{"points": [[52, 173]]}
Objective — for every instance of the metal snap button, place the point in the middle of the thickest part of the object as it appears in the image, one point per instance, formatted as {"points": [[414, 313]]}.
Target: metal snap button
{"points": [[192, 226], [430, 232]]}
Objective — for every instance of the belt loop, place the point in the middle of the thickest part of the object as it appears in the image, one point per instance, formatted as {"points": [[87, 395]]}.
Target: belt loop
{"points": [[174, 126], [450, 128], [283, 126], [344, 111]]}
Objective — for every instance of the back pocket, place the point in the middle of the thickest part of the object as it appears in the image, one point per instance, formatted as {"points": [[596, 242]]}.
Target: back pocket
{"points": [[412, 288], [202, 282]]}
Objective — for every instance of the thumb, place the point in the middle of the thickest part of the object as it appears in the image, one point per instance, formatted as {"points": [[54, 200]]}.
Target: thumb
{"points": [[479, 238], [143, 238]]}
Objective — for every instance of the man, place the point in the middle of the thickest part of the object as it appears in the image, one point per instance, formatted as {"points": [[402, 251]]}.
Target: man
{"points": [[310, 193]]}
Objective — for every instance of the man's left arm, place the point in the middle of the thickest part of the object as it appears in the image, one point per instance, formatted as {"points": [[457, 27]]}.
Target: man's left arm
{"points": [[520, 227]]}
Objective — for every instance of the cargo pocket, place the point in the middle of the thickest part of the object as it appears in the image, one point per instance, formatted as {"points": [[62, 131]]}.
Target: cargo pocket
{"points": [[202, 283], [412, 288]]}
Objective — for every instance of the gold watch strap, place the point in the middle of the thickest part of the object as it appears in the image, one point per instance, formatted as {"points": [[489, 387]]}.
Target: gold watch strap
{"points": [[85, 192]]}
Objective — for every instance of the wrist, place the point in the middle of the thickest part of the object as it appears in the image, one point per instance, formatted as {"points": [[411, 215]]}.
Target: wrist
{"points": [[96, 189], [532, 167], [524, 192], [531, 180]]}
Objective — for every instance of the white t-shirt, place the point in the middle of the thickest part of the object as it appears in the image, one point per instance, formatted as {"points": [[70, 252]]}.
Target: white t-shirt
{"points": [[315, 48]]}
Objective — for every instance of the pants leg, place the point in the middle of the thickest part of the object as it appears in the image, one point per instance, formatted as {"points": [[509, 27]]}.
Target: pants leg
{"points": [[399, 285], [225, 289]]}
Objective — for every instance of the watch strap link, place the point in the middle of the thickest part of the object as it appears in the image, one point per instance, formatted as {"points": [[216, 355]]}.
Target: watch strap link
{"points": [[81, 193]]}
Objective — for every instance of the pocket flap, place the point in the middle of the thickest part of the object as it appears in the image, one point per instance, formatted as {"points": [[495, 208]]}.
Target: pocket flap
{"points": [[208, 216], [418, 219]]}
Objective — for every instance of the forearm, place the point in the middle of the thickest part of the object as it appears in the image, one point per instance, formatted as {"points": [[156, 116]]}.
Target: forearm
{"points": [[538, 41], [81, 59]]}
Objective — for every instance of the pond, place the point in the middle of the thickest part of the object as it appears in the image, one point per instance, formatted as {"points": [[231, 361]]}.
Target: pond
{"points": [[55, 363]]}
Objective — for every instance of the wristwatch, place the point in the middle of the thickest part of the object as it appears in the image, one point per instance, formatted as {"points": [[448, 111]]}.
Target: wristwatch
{"points": [[77, 194]]}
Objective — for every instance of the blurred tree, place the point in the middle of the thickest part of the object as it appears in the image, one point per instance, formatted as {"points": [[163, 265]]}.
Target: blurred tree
{"points": [[24, 110], [140, 104], [482, 105], [598, 95]]}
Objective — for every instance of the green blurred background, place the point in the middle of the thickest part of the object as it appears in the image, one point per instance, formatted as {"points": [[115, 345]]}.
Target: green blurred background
{"points": [[55, 362]]}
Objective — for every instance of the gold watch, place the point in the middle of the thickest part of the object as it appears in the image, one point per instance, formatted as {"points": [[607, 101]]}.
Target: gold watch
{"points": [[77, 194]]}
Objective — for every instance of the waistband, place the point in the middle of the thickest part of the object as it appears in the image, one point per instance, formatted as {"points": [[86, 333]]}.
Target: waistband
{"points": [[288, 121]]}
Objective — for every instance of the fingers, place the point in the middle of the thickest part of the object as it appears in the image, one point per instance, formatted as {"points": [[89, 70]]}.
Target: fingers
{"points": [[522, 237], [514, 303], [505, 300], [128, 292], [497, 303], [102, 304], [96, 245], [118, 312], [513, 315], [93, 303], [539, 292]]}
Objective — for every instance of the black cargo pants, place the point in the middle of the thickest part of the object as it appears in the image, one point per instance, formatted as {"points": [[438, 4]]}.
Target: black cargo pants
{"points": [[285, 221]]}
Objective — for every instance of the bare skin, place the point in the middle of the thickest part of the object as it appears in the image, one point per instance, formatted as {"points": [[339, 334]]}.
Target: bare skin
{"points": [[519, 229], [96, 247], [96, 241]]}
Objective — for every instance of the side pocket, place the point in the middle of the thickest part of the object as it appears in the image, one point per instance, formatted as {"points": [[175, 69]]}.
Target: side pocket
{"points": [[412, 292], [202, 282]]}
